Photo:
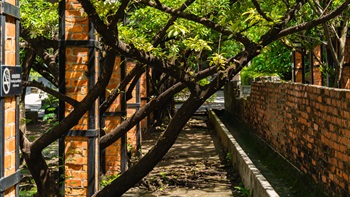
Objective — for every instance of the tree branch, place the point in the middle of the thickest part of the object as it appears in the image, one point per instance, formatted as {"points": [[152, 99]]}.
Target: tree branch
{"points": [[260, 11], [54, 93], [131, 51], [119, 15], [126, 125], [314, 23], [160, 35], [201, 20], [72, 119], [114, 94], [45, 72]]}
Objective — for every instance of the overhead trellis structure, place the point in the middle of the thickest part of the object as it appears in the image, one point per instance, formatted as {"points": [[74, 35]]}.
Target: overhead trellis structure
{"points": [[10, 88], [79, 70]]}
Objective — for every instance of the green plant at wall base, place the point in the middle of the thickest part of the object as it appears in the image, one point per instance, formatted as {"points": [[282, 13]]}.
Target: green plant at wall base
{"points": [[243, 191], [229, 158]]}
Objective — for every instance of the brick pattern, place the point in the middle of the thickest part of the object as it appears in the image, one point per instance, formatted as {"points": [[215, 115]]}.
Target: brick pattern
{"points": [[144, 97], [77, 87], [345, 79], [10, 136], [113, 152], [132, 144], [347, 51], [298, 61], [10, 153], [76, 166], [317, 76], [307, 124]]}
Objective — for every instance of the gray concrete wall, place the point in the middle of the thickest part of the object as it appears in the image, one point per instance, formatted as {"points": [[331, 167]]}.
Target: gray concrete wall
{"points": [[251, 177]]}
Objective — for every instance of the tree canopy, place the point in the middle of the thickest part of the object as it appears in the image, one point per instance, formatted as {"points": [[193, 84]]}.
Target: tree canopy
{"points": [[184, 40]]}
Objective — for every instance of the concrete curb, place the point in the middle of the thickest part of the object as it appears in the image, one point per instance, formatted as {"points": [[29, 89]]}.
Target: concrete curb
{"points": [[251, 176]]}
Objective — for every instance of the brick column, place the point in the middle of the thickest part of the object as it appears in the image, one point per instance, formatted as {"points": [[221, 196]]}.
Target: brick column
{"points": [[10, 87], [298, 66], [133, 105], [345, 78], [79, 70], [316, 71], [114, 156], [144, 93]]}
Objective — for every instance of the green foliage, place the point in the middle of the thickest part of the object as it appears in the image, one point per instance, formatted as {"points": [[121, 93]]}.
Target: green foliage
{"points": [[108, 180], [28, 193], [274, 60], [243, 191], [50, 106], [40, 17], [197, 44]]}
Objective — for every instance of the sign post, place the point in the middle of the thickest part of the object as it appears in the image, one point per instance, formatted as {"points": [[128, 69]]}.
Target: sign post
{"points": [[10, 88]]}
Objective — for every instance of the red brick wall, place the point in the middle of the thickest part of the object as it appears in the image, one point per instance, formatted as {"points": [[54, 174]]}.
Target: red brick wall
{"points": [[309, 125], [10, 106], [317, 75], [113, 152], [345, 79], [77, 87], [132, 133], [144, 99]]}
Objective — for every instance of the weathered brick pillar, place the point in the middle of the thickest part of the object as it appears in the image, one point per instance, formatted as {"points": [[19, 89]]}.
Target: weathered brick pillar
{"points": [[316, 70], [133, 105], [115, 155], [10, 87], [345, 78], [144, 93], [79, 70], [298, 66]]}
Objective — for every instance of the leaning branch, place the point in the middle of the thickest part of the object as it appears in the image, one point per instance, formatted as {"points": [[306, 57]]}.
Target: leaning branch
{"points": [[54, 93], [72, 119], [122, 85], [132, 52]]}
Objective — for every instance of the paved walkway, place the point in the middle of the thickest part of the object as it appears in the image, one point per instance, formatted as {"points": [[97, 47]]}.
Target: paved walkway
{"points": [[192, 167]]}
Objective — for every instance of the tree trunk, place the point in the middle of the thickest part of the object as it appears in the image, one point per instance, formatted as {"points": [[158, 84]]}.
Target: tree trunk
{"points": [[46, 184]]}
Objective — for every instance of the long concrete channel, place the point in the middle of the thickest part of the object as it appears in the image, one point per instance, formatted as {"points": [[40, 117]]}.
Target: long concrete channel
{"points": [[250, 174], [263, 171]]}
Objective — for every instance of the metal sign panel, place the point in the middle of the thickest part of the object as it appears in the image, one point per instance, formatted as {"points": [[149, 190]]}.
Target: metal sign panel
{"points": [[10, 80]]}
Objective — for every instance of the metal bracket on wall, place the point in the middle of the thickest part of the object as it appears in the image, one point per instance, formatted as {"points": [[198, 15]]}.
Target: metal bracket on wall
{"points": [[9, 9], [81, 43], [7, 182]]}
